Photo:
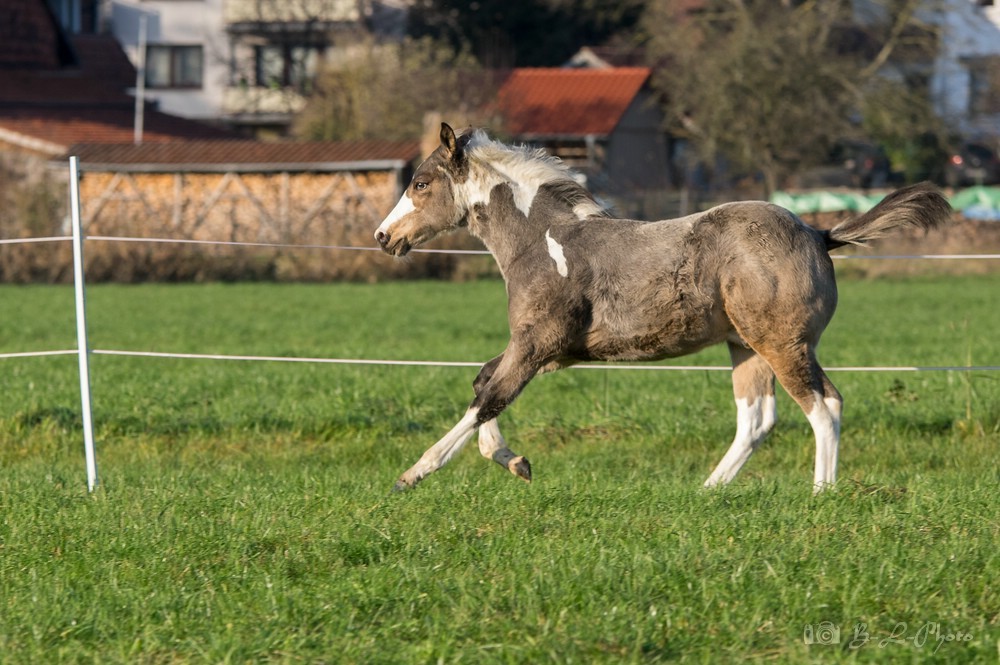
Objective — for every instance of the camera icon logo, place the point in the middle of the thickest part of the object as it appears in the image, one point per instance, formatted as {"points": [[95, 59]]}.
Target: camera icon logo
{"points": [[824, 632]]}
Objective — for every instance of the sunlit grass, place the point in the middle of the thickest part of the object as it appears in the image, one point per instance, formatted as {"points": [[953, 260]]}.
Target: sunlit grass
{"points": [[244, 511]]}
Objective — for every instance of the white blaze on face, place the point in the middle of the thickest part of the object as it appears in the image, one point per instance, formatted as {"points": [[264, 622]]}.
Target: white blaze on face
{"points": [[556, 252], [403, 208]]}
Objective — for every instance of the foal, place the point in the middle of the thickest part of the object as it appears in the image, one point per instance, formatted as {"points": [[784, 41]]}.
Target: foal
{"points": [[584, 287]]}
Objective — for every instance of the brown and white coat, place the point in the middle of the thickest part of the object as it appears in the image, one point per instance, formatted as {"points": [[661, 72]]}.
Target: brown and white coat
{"points": [[582, 286]]}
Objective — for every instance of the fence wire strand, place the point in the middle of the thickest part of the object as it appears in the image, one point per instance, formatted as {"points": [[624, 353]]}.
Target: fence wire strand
{"points": [[475, 252], [444, 363]]}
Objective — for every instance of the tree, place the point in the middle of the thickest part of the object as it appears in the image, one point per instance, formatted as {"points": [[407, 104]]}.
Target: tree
{"points": [[527, 33], [770, 86], [900, 117], [384, 90]]}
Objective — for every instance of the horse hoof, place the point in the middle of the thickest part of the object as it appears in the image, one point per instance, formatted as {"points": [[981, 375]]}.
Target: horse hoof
{"points": [[400, 486], [520, 467]]}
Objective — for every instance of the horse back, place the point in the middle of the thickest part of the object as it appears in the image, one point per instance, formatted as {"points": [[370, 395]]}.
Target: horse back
{"points": [[668, 288]]}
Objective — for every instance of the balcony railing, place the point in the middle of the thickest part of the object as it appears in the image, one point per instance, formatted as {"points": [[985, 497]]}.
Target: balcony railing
{"points": [[305, 12], [249, 102]]}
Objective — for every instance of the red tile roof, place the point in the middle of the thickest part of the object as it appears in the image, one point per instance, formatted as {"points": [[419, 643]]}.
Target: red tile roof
{"points": [[219, 155], [30, 36], [568, 102], [103, 59], [51, 130], [57, 88]]}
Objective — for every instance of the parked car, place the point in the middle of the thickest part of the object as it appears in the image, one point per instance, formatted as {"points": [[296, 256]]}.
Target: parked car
{"points": [[866, 163], [850, 163], [972, 164]]}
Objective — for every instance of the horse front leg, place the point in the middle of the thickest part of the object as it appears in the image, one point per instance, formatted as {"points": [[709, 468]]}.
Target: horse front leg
{"points": [[492, 445], [438, 455], [510, 373]]}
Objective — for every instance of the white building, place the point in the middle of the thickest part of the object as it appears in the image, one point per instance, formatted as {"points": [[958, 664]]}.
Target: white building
{"points": [[244, 63], [188, 53], [966, 81]]}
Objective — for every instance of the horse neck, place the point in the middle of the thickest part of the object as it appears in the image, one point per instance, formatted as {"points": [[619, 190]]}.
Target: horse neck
{"points": [[503, 228], [498, 210], [512, 217]]}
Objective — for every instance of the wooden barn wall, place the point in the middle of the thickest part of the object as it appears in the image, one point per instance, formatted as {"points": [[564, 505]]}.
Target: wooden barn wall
{"points": [[304, 208], [307, 208]]}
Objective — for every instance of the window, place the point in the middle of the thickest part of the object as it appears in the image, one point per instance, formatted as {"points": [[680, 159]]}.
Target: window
{"points": [[984, 85], [286, 65], [173, 66], [78, 17]]}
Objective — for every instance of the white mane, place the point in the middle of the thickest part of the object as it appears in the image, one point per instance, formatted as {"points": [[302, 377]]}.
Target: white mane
{"points": [[522, 161], [521, 166]]}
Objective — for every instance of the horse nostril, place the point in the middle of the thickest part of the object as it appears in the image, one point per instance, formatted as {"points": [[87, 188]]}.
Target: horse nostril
{"points": [[382, 238]]}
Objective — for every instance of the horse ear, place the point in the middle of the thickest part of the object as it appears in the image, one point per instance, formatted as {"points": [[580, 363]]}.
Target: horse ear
{"points": [[448, 139]]}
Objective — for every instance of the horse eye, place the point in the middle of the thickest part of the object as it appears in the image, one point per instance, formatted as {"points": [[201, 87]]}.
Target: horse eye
{"points": [[419, 186]]}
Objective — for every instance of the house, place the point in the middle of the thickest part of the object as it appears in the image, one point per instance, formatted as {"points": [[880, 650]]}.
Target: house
{"points": [[602, 57], [185, 57], [602, 121], [247, 64], [952, 52], [59, 88], [965, 83]]}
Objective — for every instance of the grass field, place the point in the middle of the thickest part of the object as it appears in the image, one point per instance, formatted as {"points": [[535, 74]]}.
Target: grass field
{"points": [[244, 511]]}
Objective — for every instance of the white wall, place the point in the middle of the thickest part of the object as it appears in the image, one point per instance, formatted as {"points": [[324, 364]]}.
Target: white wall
{"points": [[180, 22], [969, 31]]}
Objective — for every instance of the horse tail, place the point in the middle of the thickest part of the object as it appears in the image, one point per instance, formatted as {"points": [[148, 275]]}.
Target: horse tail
{"points": [[920, 206]]}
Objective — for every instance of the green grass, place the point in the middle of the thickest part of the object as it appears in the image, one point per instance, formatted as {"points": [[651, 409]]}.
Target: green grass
{"points": [[244, 512]]}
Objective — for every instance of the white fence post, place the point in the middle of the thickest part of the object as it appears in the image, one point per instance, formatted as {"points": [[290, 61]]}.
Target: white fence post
{"points": [[83, 348]]}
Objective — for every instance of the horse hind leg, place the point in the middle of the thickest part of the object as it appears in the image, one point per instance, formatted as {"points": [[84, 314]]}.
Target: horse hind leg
{"points": [[756, 411], [826, 455], [804, 380]]}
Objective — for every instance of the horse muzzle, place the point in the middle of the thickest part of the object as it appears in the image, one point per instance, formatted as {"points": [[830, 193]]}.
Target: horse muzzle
{"points": [[398, 246]]}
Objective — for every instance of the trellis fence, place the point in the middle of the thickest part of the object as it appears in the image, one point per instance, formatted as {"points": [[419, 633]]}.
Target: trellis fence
{"points": [[83, 350]]}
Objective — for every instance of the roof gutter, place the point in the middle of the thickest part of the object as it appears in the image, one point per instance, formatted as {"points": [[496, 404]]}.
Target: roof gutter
{"points": [[264, 167]]}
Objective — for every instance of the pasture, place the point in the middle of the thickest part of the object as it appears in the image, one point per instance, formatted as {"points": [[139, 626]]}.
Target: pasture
{"points": [[244, 511]]}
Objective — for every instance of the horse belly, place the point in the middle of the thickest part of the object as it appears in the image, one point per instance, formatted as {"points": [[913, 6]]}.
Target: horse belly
{"points": [[667, 334]]}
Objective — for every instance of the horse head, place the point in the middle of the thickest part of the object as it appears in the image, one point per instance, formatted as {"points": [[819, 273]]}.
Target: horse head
{"points": [[429, 206]]}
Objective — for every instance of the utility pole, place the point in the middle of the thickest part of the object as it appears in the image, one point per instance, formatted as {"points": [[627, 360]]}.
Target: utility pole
{"points": [[140, 82]]}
